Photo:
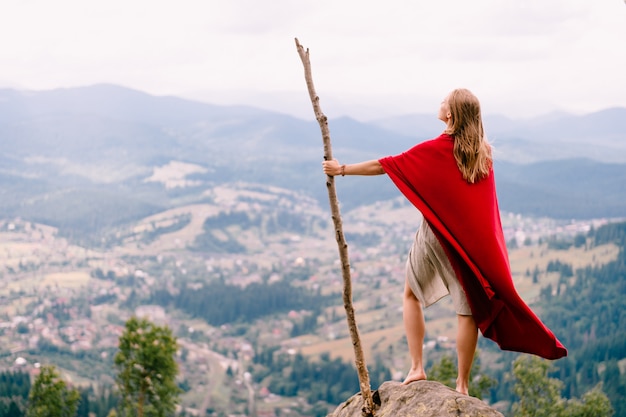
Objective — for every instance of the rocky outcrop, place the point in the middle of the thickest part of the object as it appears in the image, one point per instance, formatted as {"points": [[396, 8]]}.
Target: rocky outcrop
{"points": [[418, 399]]}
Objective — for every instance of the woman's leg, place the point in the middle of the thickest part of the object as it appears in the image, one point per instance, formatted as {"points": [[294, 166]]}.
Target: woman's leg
{"points": [[415, 328], [467, 337]]}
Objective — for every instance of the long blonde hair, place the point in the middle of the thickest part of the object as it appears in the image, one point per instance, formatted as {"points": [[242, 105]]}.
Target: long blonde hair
{"points": [[471, 149]]}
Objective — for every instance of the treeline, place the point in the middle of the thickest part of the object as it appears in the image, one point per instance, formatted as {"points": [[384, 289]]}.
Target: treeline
{"points": [[84, 215], [281, 220], [563, 268], [15, 387], [589, 317], [217, 238], [324, 379], [592, 309], [178, 223], [220, 303], [96, 404], [209, 242]]}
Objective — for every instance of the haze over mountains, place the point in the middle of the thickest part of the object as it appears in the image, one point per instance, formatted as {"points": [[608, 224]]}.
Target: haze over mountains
{"points": [[91, 155]]}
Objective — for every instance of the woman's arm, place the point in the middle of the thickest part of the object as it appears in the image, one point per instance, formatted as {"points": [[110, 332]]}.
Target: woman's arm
{"points": [[372, 167]]}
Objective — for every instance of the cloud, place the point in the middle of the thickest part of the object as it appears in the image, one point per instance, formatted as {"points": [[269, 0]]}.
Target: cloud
{"points": [[401, 54]]}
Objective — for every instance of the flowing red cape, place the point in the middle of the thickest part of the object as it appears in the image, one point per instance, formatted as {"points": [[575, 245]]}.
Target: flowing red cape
{"points": [[466, 220]]}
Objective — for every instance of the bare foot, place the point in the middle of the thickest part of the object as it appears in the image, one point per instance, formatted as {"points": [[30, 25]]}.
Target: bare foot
{"points": [[414, 375], [462, 389]]}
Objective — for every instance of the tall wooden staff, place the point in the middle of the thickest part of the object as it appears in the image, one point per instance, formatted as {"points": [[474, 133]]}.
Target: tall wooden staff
{"points": [[364, 379]]}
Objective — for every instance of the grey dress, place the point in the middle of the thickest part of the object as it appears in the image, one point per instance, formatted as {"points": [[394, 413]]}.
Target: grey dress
{"points": [[430, 274]]}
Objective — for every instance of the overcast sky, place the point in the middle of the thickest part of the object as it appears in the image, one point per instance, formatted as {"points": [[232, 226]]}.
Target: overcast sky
{"points": [[370, 58]]}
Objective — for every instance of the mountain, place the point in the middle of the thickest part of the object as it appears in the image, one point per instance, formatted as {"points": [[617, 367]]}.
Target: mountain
{"points": [[570, 188], [599, 136], [89, 158]]}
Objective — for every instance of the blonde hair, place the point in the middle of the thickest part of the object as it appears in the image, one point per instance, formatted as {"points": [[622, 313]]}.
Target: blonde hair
{"points": [[471, 149]]}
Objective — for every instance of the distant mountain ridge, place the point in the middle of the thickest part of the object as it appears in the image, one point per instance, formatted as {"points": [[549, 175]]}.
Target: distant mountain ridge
{"points": [[599, 136], [606, 128], [80, 157]]}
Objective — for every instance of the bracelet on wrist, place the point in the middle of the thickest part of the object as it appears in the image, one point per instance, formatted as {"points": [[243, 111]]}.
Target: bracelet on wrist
{"points": [[343, 170]]}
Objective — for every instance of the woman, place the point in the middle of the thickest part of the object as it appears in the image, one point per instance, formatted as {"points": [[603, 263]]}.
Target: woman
{"points": [[459, 248]]}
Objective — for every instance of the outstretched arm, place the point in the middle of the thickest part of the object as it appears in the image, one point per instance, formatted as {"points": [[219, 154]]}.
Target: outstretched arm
{"points": [[372, 167]]}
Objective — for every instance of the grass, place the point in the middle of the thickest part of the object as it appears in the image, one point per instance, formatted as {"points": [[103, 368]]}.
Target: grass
{"points": [[526, 260], [74, 279], [178, 240], [342, 348]]}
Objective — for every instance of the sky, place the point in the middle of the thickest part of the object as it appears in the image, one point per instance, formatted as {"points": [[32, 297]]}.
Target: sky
{"points": [[370, 59]]}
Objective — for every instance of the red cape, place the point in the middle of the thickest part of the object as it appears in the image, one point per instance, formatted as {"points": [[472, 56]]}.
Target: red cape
{"points": [[466, 220]]}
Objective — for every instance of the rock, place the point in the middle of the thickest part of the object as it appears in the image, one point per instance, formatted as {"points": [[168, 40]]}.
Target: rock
{"points": [[418, 399]]}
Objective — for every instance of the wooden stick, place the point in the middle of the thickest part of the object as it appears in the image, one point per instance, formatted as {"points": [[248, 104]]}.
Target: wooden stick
{"points": [[364, 379]]}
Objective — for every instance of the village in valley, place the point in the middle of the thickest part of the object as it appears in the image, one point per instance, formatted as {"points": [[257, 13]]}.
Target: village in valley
{"points": [[65, 304]]}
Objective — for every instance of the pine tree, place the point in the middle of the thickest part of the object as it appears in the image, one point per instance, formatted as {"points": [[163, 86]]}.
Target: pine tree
{"points": [[146, 369], [50, 396]]}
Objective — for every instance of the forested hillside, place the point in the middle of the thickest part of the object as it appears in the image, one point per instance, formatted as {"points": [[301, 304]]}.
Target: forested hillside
{"points": [[87, 160], [14, 389], [589, 315]]}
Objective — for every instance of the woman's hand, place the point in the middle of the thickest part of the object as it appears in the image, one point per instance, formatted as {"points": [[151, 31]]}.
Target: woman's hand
{"points": [[331, 168], [372, 167]]}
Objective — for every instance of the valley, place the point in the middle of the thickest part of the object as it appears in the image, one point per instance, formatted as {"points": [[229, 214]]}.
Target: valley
{"points": [[66, 304], [214, 221]]}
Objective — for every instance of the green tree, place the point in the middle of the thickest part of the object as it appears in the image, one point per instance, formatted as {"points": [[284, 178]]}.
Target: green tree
{"points": [[445, 372], [539, 395], [146, 369], [50, 396], [594, 404]]}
